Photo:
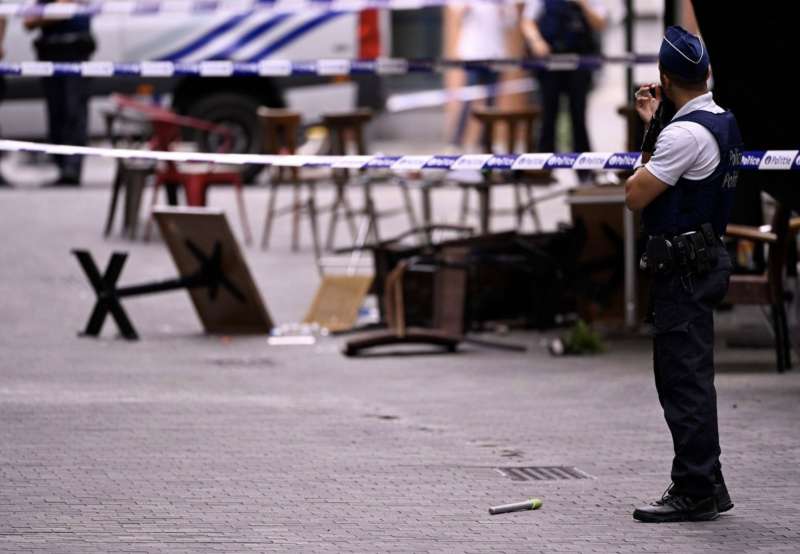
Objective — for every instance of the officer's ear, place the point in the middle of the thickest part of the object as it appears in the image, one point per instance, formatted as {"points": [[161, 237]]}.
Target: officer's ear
{"points": [[666, 83]]}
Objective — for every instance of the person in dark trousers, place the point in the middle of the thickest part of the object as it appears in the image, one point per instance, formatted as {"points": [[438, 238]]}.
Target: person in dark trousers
{"points": [[685, 190], [68, 40], [564, 27]]}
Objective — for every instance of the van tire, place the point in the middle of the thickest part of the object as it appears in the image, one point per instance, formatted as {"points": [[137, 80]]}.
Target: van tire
{"points": [[237, 112]]}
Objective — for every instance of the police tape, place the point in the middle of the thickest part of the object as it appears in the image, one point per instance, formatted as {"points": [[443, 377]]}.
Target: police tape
{"points": [[323, 67], [68, 10], [600, 161]]}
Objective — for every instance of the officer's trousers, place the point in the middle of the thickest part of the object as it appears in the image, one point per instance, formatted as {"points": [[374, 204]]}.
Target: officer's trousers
{"points": [[683, 360]]}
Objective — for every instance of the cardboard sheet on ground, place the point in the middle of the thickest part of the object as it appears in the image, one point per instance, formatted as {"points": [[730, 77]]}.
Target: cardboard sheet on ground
{"points": [[338, 299], [223, 314]]}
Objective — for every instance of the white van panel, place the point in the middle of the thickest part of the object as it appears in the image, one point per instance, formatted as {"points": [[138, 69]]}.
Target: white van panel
{"points": [[303, 36]]}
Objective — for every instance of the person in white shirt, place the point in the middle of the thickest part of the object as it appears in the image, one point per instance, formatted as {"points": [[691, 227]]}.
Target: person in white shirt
{"points": [[481, 33]]}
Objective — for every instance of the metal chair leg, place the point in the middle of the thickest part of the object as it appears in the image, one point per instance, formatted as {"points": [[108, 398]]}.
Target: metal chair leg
{"points": [[464, 214], [777, 329], [134, 189], [787, 339], [533, 209], [311, 206], [114, 195], [273, 196], [408, 203], [153, 201], [331, 237], [297, 207], [248, 234], [370, 211], [519, 207]]}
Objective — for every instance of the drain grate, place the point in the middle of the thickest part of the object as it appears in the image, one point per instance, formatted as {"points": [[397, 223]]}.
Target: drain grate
{"points": [[542, 473]]}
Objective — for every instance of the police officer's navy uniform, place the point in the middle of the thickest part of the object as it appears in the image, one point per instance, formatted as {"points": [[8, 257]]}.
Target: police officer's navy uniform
{"points": [[697, 154], [67, 97]]}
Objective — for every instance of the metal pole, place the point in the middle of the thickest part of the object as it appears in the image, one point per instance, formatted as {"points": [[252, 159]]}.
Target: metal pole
{"points": [[670, 13], [629, 15], [630, 268]]}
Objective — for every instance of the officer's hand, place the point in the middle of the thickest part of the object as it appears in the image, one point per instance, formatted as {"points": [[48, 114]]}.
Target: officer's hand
{"points": [[646, 104]]}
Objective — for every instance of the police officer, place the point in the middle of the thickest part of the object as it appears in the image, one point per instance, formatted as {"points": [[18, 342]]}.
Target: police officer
{"points": [[564, 27], [67, 96], [685, 189]]}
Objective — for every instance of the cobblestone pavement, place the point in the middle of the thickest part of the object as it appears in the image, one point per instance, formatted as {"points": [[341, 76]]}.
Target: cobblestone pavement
{"points": [[186, 443]]}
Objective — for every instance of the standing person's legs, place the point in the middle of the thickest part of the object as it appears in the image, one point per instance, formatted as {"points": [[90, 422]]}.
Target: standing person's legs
{"points": [[53, 88], [578, 85], [75, 121], [683, 352], [550, 94], [491, 80]]}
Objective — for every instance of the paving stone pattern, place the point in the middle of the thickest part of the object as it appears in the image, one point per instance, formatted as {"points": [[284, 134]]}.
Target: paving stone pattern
{"points": [[186, 443]]}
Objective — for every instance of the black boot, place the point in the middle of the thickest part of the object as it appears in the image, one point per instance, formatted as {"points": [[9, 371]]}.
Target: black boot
{"points": [[673, 507], [724, 502]]}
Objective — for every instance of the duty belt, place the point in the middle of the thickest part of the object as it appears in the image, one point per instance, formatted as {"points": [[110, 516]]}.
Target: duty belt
{"points": [[692, 253]]}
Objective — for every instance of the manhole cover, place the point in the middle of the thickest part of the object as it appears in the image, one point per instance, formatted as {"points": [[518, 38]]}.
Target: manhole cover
{"points": [[542, 473]]}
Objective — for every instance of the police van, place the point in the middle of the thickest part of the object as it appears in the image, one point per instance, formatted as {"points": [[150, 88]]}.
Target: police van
{"points": [[249, 36]]}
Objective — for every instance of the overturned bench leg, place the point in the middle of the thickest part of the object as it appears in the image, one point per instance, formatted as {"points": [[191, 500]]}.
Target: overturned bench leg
{"points": [[107, 300]]}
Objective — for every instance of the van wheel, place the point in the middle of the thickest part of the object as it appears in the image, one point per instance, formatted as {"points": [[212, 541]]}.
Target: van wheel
{"points": [[237, 112]]}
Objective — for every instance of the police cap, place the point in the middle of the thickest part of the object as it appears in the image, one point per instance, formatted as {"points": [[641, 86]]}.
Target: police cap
{"points": [[683, 54]]}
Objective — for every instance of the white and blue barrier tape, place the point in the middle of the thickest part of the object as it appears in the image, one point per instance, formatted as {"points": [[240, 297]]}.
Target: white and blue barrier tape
{"points": [[69, 10], [323, 67], [608, 161]]}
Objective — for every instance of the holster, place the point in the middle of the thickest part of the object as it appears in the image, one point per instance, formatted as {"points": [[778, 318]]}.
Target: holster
{"points": [[658, 258]]}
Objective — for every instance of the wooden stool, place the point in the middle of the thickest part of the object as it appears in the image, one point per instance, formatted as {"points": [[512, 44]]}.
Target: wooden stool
{"points": [[281, 129], [346, 136], [514, 120]]}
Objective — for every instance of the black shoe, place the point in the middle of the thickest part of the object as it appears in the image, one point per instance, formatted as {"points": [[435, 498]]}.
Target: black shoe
{"points": [[70, 179], [674, 507], [724, 502]]}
